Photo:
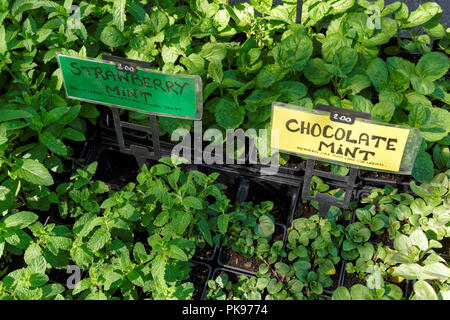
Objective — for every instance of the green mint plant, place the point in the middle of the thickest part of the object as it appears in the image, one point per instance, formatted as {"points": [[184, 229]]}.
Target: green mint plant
{"points": [[268, 284], [371, 267], [245, 288], [361, 292], [313, 249], [13, 238], [82, 194], [248, 229], [430, 212], [386, 210], [424, 291], [29, 283], [415, 258], [128, 275], [181, 203], [356, 237], [50, 243], [280, 282]]}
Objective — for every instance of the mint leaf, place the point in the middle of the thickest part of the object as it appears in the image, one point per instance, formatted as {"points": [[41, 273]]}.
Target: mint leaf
{"points": [[98, 240], [32, 171], [54, 144], [193, 202], [112, 37], [228, 115], [433, 66], [316, 72], [423, 170], [20, 219], [204, 228], [378, 73], [119, 14]]}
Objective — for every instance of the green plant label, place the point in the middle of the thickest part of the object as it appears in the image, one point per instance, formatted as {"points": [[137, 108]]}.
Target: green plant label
{"points": [[152, 92]]}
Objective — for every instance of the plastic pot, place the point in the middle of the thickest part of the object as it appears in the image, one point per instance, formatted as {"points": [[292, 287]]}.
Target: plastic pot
{"points": [[340, 278], [305, 210], [209, 258], [282, 197], [395, 180], [255, 261], [201, 287], [348, 280], [114, 168], [233, 273]]}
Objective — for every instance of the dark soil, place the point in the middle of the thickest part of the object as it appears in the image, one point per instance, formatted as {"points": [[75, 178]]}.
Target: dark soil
{"points": [[236, 260], [304, 210], [363, 195], [205, 253], [321, 167], [351, 279], [199, 275], [278, 234], [445, 250], [335, 278], [385, 176], [335, 285], [383, 238], [294, 163]]}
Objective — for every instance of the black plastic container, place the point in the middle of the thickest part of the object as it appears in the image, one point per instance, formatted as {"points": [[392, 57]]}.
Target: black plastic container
{"points": [[199, 292], [398, 181], [216, 273], [223, 264], [283, 197], [208, 259], [340, 278], [107, 130], [405, 285], [114, 167], [333, 185]]}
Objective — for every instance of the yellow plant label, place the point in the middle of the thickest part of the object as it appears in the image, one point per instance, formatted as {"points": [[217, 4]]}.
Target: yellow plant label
{"points": [[314, 134]]}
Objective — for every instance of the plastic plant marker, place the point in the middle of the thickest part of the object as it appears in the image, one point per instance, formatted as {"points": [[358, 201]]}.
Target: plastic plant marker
{"points": [[363, 144], [152, 92]]}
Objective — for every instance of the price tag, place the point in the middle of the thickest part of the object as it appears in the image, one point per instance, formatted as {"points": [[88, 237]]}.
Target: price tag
{"points": [[343, 118], [126, 67]]}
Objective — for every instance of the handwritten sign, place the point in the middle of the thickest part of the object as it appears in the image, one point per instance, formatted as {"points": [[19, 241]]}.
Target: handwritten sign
{"points": [[178, 96], [364, 143]]}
